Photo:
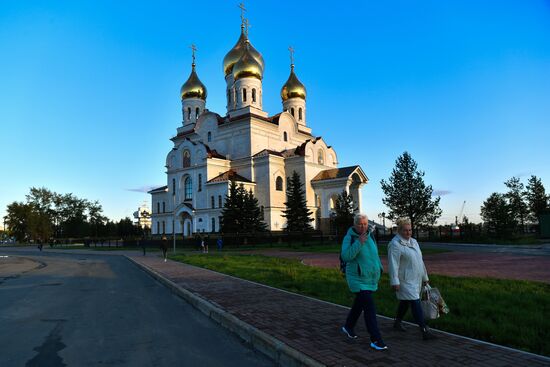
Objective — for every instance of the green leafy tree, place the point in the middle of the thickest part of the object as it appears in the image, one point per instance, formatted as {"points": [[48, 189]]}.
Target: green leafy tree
{"points": [[343, 212], [406, 194], [497, 216], [26, 222], [537, 200], [516, 202], [297, 215]]}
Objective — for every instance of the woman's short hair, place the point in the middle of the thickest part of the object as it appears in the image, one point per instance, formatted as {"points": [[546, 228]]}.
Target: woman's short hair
{"points": [[401, 222], [357, 218]]}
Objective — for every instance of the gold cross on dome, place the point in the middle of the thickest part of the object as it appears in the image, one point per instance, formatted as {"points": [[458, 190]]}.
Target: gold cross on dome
{"points": [[243, 9], [291, 50], [193, 49], [247, 25]]}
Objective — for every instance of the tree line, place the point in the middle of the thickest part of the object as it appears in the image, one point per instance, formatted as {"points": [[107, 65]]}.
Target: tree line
{"points": [[46, 214]]}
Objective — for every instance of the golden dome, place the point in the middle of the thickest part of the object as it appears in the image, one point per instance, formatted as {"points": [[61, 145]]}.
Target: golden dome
{"points": [[234, 55], [293, 87], [247, 66], [193, 87]]}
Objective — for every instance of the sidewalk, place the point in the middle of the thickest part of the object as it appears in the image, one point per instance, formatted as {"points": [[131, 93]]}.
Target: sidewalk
{"points": [[313, 327]]}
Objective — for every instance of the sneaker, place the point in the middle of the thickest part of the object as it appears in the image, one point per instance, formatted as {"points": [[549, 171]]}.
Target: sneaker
{"points": [[427, 334], [349, 333], [378, 345]]}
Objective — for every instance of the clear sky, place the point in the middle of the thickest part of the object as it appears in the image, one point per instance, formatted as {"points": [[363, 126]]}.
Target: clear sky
{"points": [[89, 90]]}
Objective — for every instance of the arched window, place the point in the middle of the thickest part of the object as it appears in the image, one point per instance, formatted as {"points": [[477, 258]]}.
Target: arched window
{"points": [[244, 94], [285, 136], [189, 113], [228, 97], [158, 227], [199, 184], [212, 202], [163, 227], [300, 114], [173, 186], [186, 159], [320, 157], [254, 95], [158, 209], [279, 183], [292, 111], [188, 186], [197, 112], [213, 224], [164, 207], [209, 136], [219, 201]]}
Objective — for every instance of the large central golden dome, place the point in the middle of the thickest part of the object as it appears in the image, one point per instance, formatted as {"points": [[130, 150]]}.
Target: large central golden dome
{"points": [[234, 55], [247, 66], [293, 87], [193, 87]]}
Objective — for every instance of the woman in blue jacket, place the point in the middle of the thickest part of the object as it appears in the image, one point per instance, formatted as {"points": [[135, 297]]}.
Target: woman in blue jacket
{"points": [[363, 269]]}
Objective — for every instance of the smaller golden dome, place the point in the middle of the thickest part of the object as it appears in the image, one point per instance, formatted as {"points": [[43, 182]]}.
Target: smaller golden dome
{"points": [[234, 55], [247, 66], [193, 87], [293, 87]]}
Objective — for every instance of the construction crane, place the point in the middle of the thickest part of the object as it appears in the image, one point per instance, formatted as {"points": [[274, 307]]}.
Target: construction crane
{"points": [[456, 227]]}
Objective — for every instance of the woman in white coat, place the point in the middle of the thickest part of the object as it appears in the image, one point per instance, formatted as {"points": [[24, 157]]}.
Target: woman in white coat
{"points": [[407, 274]]}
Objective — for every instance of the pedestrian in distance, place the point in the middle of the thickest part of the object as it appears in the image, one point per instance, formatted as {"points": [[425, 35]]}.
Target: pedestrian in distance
{"points": [[143, 248], [363, 269], [219, 243], [206, 242], [164, 247], [407, 274]]}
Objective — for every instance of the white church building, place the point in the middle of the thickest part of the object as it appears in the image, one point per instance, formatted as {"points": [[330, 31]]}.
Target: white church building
{"points": [[250, 147]]}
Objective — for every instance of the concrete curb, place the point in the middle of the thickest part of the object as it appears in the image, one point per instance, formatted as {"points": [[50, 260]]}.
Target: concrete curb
{"points": [[273, 348]]}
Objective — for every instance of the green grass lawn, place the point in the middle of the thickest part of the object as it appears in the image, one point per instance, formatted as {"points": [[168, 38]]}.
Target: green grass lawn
{"points": [[326, 249], [506, 312]]}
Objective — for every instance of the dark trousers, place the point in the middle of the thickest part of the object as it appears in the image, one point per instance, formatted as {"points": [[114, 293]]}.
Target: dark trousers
{"points": [[364, 303], [416, 309]]}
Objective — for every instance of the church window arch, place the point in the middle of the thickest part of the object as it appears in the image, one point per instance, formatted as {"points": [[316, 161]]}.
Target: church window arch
{"points": [[186, 159], [199, 183], [320, 157], [164, 207], [173, 186], [285, 136], [158, 208], [209, 136], [188, 188], [253, 95], [213, 224], [197, 112], [220, 201], [292, 111], [158, 227], [228, 97], [244, 94], [300, 114], [212, 202], [279, 183], [189, 113]]}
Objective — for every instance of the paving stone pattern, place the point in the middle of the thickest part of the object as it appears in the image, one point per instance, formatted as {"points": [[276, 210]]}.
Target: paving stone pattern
{"points": [[313, 327]]}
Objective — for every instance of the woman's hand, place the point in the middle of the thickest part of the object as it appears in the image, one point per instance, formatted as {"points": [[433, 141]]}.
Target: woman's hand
{"points": [[363, 237], [395, 287]]}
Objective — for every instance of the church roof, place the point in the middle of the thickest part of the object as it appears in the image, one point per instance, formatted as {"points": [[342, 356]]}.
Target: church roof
{"points": [[212, 153], [230, 175], [158, 189], [334, 173]]}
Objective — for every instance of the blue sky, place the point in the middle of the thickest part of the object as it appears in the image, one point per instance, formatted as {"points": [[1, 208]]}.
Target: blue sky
{"points": [[89, 90]]}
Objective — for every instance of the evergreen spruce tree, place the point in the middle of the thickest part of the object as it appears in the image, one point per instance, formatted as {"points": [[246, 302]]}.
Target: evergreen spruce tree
{"points": [[253, 213], [343, 212], [406, 194], [231, 210], [297, 215], [537, 200]]}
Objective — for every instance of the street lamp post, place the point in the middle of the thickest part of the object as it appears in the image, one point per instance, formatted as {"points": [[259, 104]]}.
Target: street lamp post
{"points": [[174, 220]]}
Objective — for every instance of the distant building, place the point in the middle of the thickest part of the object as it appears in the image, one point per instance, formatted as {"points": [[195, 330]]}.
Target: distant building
{"points": [[143, 216], [247, 146]]}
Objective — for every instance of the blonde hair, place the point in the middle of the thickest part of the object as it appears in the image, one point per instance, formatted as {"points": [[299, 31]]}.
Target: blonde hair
{"points": [[401, 222]]}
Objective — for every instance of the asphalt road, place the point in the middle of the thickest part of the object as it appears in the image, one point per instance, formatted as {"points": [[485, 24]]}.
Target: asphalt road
{"points": [[101, 310]]}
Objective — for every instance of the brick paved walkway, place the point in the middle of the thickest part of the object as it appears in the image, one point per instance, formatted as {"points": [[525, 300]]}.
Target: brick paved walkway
{"points": [[472, 264], [312, 326]]}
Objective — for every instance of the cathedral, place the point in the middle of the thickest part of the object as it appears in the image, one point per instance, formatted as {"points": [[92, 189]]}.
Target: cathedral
{"points": [[250, 147]]}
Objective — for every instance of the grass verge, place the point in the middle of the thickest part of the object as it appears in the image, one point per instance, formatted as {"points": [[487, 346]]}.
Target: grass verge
{"points": [[507, 312]]}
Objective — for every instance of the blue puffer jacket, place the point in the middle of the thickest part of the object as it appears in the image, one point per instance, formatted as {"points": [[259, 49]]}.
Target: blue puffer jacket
{"points": [[363, 266]]}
